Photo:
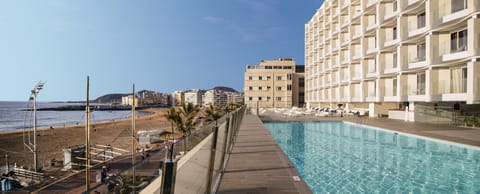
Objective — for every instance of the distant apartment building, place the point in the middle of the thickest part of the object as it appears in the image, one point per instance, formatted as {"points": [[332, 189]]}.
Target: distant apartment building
{"points": [[414, 55], [128, 100], [215, 98], [234, 98], [194, 96], [179, 98], [274, 83]]}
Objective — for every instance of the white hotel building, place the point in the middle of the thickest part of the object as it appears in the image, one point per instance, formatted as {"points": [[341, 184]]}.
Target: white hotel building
{"points": [[385, 54]]}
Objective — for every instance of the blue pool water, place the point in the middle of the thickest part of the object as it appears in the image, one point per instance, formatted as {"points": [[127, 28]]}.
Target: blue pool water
{"points": [[338, 157]]}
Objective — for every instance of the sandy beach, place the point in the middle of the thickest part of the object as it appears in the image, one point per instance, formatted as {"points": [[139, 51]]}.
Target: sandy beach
{"points": [[51, 141]]}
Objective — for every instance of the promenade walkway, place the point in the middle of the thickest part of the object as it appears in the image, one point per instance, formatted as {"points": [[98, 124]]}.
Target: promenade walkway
{"points": [[258, 165]]}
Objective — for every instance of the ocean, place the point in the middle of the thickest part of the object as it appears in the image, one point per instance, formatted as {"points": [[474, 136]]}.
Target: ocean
{"points": [[14, 118]]}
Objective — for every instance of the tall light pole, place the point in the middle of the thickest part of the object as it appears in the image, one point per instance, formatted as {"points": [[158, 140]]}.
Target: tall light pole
{"points": [[87, 138], [33, 96], [133, 135]]}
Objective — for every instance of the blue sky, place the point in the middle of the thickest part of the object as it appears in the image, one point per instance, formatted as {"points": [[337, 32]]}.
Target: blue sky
{"points": [[160, 45]]}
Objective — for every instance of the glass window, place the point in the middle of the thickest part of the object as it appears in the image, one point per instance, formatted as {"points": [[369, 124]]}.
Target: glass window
{"points": [[420, 83], [421, 20], [289, 76], [458, 5], [260, 88], [279, 98], [259, 98], [394, 60], [394, 33], [289, 87], [250, 88], [458, 41], [260, 78], [250, 98], [395, 6], [279, 88], [250, 78], [279, 77], [395, 87], [421, 52]]}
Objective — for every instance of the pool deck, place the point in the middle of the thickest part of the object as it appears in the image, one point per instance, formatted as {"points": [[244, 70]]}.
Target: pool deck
{"points": [[258, 165], [452, 133]]}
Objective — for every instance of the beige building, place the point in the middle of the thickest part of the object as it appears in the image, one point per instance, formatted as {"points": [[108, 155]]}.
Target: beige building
{"points": [[128, 100], [274, 83], [215, 98], [381, 55]]}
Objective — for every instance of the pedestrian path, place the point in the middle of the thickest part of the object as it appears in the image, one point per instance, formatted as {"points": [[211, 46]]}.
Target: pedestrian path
{"points": [[258, 165]]}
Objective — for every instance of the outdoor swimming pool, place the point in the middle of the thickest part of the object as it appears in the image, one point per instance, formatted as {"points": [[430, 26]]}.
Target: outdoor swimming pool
{"points": [[340, 157]]}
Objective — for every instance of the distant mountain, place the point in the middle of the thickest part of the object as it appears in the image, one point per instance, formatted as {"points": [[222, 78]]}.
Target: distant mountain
{"points": [[109, 98], [226, 89]]}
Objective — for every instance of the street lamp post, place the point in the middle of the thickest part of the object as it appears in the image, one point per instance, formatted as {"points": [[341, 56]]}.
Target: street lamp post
{"points": [[33, 96]]}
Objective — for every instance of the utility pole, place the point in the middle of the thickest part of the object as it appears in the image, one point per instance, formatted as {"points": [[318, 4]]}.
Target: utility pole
{"points": [[33, 96], [133, 136], [87, 138]]}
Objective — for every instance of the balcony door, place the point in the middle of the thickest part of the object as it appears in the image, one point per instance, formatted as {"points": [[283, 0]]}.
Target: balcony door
{"points": [[459, 80]]}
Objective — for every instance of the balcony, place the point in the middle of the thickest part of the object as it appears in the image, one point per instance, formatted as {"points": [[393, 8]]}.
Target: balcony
{"points": [[412, 2], [449, 90], [391, 43], [390, 70], [417, 31], [417, 62], [455, 56], [371, 51], [371, 3], [452, 17]]}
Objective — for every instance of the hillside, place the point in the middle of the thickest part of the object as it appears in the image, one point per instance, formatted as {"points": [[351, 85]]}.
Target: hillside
{"points": [[109, 98], [227, 89]]}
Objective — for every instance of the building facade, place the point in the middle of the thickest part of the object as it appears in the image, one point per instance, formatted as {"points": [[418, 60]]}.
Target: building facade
{"points": [[384, 55], [194, 96], [274, 83], [215, 98]]}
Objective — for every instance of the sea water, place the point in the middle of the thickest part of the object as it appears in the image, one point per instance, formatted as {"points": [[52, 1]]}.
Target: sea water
{"points": [[14, 118]]}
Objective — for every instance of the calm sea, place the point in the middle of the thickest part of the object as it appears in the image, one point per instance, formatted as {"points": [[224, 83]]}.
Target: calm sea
{"points": [[13, 118]]}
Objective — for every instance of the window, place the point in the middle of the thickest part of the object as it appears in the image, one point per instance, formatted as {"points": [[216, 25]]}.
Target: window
{"points": [[277, 67], [250, 78], [395, 6], [279, 88], [279, 98], [250, 88], [301, 82], [458, 5], [268, 77], [268, 98], [421, 20], [289, 87], [260, 88], [459, 80], [458, 41], [250, 98], [268, 87], [421, 84], [259, 98], [394, 65], [394, 33], [395, 87], [268, 67], [289, 76], [279, 77], [420, 52]]}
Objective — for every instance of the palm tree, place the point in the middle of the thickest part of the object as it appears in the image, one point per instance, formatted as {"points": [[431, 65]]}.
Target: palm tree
{"points": [[173, 116], [213, 113], [187, 120]]}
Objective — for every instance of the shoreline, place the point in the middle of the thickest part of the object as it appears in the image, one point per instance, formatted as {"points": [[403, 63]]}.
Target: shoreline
{"points": [[51, 142], [149, 111]]}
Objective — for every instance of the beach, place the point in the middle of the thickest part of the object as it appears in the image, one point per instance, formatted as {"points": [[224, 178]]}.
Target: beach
{"points": [[51, 142]]}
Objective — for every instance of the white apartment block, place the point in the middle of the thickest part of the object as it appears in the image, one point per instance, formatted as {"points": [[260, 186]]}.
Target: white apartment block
{"points": [[379, 54], [194, 97], [215, 98]]}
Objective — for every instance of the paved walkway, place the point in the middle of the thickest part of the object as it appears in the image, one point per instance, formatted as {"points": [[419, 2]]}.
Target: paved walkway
{"points": [[258, 165]]}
